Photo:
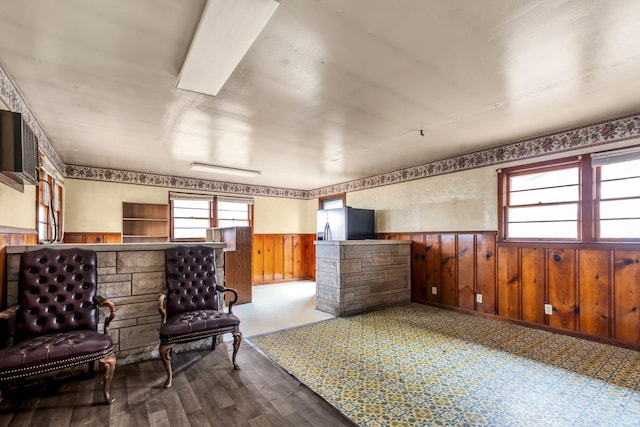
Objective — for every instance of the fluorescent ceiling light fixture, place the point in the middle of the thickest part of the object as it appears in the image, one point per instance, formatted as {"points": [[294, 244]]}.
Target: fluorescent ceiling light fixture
{"points": [[226, 31], [203, 167]]}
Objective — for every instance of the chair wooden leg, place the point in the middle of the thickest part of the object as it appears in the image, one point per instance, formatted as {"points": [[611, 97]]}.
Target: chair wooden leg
{"points": [[237, 338], [109, 363], [165, 356]]}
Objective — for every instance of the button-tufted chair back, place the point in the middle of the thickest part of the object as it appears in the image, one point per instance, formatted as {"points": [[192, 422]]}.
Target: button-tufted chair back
{"points": [[191, 279], [57, 290]]}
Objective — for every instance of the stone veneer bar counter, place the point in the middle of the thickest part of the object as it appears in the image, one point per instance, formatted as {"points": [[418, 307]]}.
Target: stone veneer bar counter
{"points": [[131, 275], [354, 276]]}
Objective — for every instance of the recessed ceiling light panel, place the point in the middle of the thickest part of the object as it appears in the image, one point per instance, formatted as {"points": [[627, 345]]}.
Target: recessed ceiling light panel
{"points": [[226, 31], [204, 167]]}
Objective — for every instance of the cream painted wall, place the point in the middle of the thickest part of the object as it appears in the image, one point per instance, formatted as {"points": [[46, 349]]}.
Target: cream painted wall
{"points": [[274, 215], [18, 209], [461, 201], [93, 206]]}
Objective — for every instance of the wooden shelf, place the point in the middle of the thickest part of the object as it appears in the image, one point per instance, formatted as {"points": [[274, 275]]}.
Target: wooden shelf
{"points": [[145, 222]]}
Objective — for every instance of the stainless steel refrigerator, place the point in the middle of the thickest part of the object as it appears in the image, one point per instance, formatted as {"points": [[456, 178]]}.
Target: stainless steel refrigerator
{"points": [[346, 224]]}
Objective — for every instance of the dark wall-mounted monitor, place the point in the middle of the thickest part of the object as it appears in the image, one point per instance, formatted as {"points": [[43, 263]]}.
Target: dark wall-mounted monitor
{"points": [[18, 148]]}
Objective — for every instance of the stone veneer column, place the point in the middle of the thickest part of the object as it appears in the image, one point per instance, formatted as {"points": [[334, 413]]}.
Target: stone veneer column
{"points": [[355, 276]]}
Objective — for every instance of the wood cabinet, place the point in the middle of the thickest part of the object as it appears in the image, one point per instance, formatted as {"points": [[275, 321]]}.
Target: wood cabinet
{"points": [[237, 260], [145, 222]]}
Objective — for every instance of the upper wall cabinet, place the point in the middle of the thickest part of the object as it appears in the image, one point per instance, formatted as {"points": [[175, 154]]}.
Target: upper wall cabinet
{"points": [[145, 222]]}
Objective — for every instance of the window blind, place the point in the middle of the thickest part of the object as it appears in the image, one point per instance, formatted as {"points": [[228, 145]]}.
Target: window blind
{"points": [[615, 156]]}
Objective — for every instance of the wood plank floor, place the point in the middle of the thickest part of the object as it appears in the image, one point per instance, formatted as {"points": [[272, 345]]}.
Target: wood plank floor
{"points": [[206, 391]]}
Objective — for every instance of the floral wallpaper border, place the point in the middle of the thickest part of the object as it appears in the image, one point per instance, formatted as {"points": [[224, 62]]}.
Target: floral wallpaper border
{"points": [[14, 100], [606, 132], [130, 177]]}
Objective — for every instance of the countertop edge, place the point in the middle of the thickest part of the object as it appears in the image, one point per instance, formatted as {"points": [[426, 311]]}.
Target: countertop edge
{"points": [[112, 247], [361, 242]]}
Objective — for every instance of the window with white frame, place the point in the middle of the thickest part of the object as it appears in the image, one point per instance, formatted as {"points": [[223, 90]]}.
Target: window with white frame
{"points": [[193, 214], [332, 202], [233, 212], [190, 216], [617, 198]]}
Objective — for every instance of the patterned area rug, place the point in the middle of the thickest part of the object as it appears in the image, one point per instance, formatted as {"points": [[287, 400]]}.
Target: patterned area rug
{"points": [[419, 365]]}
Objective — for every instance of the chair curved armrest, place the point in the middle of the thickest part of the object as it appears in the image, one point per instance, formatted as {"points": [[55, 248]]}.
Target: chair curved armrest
{"points": [[10, 312], [222, 290], [162, 308], [102, 301]]}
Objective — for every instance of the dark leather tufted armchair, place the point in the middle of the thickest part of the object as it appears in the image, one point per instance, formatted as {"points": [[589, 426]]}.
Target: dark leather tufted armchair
{"points": [[191, 308], [57, 317]]}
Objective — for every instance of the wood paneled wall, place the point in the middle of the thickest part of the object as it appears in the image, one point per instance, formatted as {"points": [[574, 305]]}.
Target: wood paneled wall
{"points": [[9, 237], [593, 289], [451, 269], [279, 257]]}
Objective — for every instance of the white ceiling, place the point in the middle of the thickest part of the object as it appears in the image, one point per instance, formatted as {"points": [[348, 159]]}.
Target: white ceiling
{"points": [[331, 91]]}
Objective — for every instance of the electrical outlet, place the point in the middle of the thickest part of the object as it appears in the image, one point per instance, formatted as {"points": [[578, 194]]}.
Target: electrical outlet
{"points": [[434, 290], [479, 298], [548, 309]]}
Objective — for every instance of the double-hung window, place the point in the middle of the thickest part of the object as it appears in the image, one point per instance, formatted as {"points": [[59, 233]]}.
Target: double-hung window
{"points": [[193, 214], [583, 199], [233, 212], [49, 214], [617, 201], [543, 202]]}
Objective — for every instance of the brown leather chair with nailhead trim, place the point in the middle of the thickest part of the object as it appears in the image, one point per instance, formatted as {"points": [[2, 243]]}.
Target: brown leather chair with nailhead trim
{"points": [[192, 308], [57, 317]]}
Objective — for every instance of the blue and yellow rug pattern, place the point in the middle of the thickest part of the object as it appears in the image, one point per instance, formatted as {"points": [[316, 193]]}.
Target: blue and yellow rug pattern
{"points": [[417, 365]]}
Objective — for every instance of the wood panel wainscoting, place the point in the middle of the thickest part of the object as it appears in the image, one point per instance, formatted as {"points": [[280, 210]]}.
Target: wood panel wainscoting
{"points": [[281, 257], [10, 236], [92, 237], [237, 259], [591, 289]]}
